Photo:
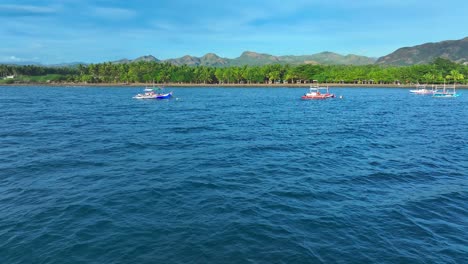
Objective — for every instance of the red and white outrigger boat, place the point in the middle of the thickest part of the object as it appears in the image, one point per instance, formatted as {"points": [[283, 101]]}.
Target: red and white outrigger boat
{"points": [[317, 93]]}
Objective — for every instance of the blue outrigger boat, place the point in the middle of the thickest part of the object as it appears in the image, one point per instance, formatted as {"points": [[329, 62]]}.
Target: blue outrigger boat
{"points": [[445, 92], [152, 93]]}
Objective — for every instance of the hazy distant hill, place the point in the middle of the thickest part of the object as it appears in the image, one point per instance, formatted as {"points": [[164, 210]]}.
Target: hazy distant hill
{"points": [[35, 63], [69, 64], [22, 63], [455, 50], [142, 58]]}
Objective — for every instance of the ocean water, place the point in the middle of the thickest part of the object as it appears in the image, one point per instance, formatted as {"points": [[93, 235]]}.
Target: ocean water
{"points": [[232, 175]]}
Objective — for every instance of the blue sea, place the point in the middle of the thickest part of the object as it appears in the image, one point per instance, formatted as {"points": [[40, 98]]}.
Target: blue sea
{"points": [[232, 175]]}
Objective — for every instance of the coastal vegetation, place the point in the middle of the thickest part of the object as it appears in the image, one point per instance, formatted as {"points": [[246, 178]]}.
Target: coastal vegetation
{"points": [[438, 71]]}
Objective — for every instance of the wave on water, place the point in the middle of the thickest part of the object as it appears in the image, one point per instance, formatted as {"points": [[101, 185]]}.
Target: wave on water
{"points": [[232, 176]]}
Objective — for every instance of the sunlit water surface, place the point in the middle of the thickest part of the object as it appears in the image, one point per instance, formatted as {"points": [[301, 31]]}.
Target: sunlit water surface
{"points": [[232, 175]]}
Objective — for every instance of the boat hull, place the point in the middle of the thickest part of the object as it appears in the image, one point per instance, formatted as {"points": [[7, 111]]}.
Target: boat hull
{"points": [[164, 96], [421, 92], [445, 95], [317, 97], [154, 96]]}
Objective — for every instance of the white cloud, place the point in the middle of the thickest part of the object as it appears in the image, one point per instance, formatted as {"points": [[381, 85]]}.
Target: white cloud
{"points": [[113, 12], [16, 59], [25, 10]]}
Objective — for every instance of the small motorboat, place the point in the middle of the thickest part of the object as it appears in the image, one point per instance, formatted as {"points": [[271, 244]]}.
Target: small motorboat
{"points": [[446, 92], [422, 90], [151, 94], [317, 93]]}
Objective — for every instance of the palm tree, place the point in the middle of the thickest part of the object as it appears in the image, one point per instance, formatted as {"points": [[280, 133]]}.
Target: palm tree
{"points": [[455, 75], [429, 77]]}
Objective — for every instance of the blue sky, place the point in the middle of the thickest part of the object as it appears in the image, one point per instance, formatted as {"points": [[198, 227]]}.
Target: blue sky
{"points": [[53, 31]]}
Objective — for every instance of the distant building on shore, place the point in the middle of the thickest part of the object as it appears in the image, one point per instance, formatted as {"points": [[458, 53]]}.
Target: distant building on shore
{"points": [[9, 77]]}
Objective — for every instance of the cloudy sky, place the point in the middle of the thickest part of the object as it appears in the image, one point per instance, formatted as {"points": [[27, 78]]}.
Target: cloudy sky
{"points": [[53, 31]]}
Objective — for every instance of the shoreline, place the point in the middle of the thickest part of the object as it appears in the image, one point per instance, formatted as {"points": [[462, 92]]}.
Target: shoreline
{"points": [[200, 85]]}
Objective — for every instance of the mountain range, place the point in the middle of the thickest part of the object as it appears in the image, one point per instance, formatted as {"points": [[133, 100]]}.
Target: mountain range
{"points": [[254, 58], [455, 50]]}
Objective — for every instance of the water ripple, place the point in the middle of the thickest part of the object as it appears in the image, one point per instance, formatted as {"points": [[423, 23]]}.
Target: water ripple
{"points": [[231, 176]]}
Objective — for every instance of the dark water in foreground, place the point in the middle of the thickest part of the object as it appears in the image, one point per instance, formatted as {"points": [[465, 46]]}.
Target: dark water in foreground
{"points": [[90, 175]]}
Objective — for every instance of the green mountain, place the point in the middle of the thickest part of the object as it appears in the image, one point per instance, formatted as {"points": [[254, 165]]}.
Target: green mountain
{"points": [[209, 59], [328, 58], [253, 58], [257, 59], [145, 58], [187, 60], [212, 59], [454, 50]]}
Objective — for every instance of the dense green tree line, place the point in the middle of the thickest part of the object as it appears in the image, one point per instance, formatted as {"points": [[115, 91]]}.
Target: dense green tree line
{"points": [[34, 70], [146, 72]]}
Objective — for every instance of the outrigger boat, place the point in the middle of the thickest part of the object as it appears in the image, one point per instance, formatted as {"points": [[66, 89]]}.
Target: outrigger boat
{"points": [[422, 90], [446, 92], [151, 94], [317, 93]]}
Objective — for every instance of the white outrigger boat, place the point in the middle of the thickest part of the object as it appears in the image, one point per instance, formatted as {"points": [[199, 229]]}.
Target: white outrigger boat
{"points": [[422, 90], [446, 92], [149, 93]]}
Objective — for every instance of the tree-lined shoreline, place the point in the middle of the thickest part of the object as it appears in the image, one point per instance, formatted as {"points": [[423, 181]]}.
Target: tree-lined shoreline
{"points": [[198, 85], [143, 73]]}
